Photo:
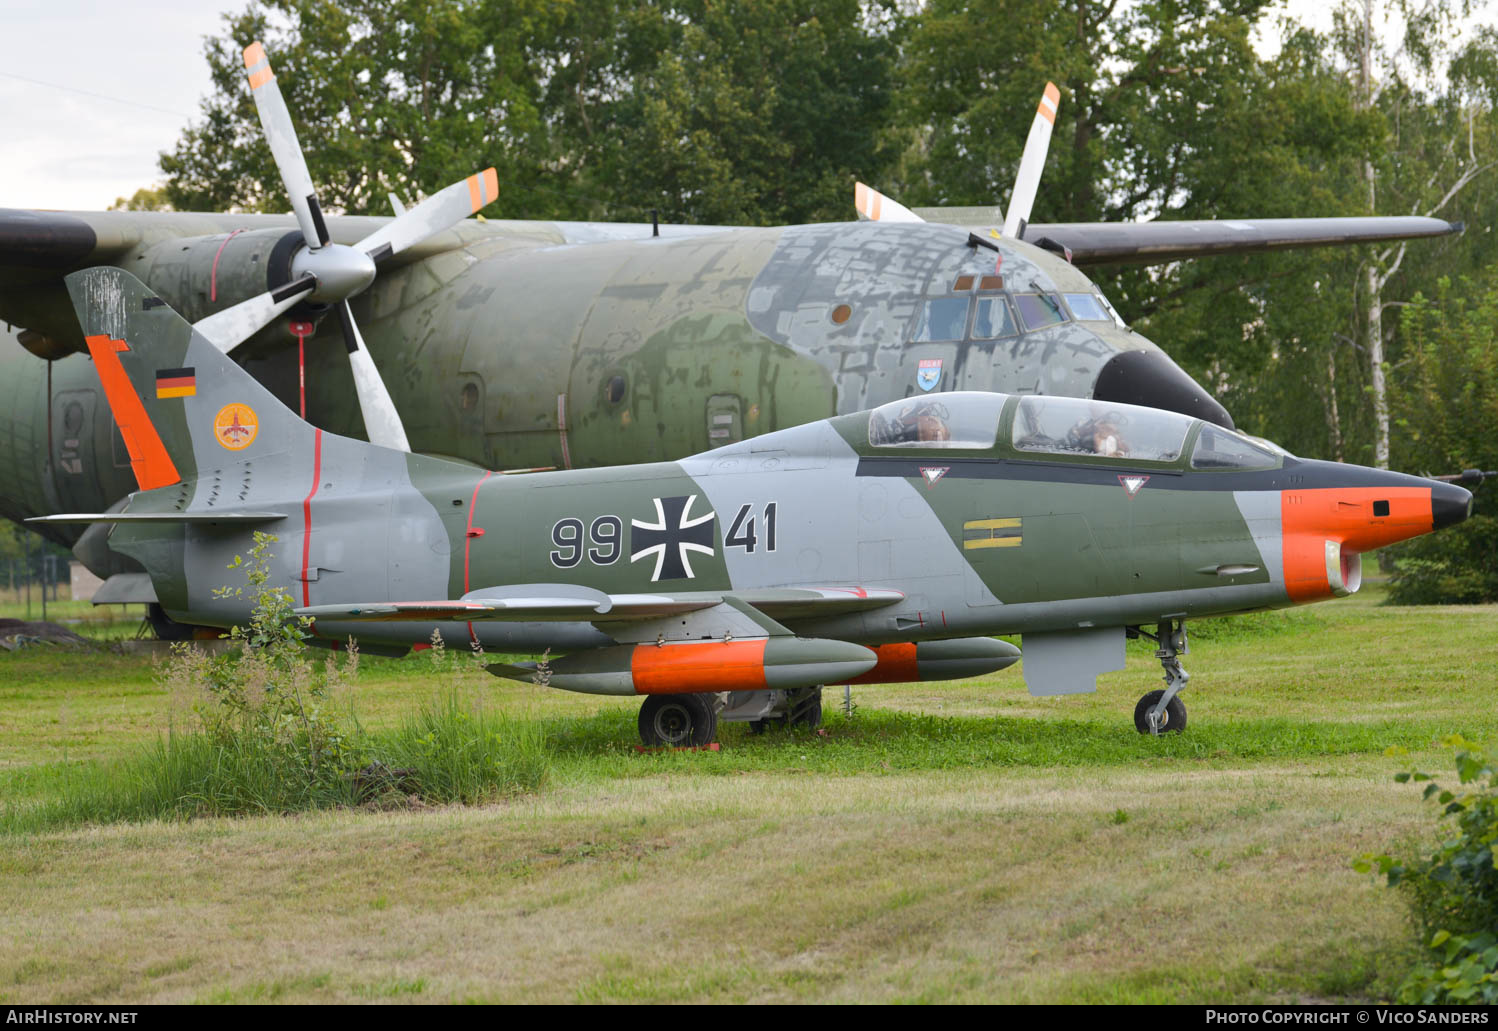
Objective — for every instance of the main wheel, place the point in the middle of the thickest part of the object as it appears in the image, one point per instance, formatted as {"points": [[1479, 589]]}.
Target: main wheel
{"points": [[1174, 717], [807, 711], [678, 721], [167, 628]]}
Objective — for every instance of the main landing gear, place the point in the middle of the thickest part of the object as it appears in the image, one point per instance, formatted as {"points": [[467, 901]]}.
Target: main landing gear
{"points": [[691, 720], [1161, 711]]}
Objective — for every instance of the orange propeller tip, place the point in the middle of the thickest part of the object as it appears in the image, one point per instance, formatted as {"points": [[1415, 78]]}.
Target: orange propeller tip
{"points": [[253, 54]]}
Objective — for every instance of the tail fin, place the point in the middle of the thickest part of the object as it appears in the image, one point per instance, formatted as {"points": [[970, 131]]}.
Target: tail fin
{"points": [[180, 404]]}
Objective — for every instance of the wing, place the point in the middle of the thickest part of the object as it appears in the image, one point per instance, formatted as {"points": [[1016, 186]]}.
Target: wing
{"points": [[230, 516], [534, 603], [1155, 243]]}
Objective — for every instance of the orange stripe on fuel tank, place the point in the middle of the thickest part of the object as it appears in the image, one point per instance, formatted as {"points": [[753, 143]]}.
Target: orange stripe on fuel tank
{"points": [[153, 467], [1310, 518], [698, 666], [896, 665]]}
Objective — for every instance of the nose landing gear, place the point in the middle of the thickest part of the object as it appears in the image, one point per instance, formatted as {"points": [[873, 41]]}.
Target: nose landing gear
{"points": [[1160, 711]]}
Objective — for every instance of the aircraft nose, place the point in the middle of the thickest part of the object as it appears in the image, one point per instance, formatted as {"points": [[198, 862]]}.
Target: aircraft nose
{"points": [[1449, 504], [1371, 508]]}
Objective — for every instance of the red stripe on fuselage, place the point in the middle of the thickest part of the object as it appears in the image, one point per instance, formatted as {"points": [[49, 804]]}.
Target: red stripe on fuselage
{"points": [[307, 514], [468, 536]]}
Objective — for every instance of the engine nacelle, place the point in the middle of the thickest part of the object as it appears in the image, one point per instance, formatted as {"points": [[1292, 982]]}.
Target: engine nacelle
{"points": [[202, 275]]}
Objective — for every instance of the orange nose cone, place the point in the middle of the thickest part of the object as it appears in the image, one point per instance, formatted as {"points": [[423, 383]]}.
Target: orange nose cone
{"points": [[1323, 525]]}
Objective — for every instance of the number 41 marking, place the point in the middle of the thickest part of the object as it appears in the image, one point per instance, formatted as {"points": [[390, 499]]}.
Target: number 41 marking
{"points": [[742, 533]]}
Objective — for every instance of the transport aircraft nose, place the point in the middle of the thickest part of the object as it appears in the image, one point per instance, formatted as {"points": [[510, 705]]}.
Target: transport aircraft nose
{"points": [[1151, 379]]}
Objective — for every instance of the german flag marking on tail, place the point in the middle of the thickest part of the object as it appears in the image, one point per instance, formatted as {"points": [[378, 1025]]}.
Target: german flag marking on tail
{"points": [[176, 383]]}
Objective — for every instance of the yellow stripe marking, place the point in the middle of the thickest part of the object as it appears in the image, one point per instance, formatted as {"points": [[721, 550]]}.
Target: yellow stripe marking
{"points": [[992, 542], [991, 524], [176, 391]]}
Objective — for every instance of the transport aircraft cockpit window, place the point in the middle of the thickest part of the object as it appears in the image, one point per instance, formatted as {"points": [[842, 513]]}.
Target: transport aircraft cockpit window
{"points": [[957, 420], [1039, 310], [993, 319], [1218, 448], [1087, 308], [942, 318], [1071, 426]]}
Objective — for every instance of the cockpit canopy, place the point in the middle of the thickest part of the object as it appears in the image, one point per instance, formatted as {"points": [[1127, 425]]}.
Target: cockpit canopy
{"points": [[966, 420], [1071, 426], [1065, 426]]}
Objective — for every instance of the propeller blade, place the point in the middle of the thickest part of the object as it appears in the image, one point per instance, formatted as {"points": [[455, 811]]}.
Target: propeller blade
{"points": [[442, 210], [275, 119], [381, 421], [231, 327], [874, 206], [1032, 163]]}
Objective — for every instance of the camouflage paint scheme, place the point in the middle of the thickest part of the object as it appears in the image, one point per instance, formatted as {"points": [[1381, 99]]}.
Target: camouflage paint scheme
{"points": [[810, 537], [499, 341]]}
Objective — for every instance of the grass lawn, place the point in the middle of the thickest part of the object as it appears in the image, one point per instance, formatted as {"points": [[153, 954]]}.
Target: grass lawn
{"points": [[949, 842]]}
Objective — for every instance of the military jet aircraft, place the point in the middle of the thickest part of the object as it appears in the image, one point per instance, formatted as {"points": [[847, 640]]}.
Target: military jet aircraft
{"points": [[531, 344], [885, 545]]}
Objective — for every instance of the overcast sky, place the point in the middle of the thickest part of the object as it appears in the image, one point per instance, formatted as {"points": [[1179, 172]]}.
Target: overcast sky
{"points": [[66, 145]]}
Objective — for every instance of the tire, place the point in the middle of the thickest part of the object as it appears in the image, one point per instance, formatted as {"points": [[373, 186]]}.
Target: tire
{"points": [[678, 721], [1175, 713], [165, 627], [807, 712]]}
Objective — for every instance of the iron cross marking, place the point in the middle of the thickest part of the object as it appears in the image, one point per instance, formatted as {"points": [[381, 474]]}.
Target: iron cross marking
{"points": [[674, 534]]}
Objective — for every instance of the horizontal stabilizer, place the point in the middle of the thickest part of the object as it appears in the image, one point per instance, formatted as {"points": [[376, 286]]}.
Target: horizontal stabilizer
{"points": [[241, 518], [126, 589]]}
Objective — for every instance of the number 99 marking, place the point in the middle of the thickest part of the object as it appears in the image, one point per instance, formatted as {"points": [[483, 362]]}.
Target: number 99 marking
{"points": [[605, 537]]}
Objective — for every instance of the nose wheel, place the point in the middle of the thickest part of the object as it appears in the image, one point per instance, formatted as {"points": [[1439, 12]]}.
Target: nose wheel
{"points": [[1162, 711]]}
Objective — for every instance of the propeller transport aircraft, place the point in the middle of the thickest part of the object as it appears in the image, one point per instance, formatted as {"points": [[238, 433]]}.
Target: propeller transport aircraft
{"points": [[523, 345], [875, 546]]}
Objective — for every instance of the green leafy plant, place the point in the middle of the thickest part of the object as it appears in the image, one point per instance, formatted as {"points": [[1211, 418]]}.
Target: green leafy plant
{"points": [[1458, 566], [266, 690], [1453, 892]]}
